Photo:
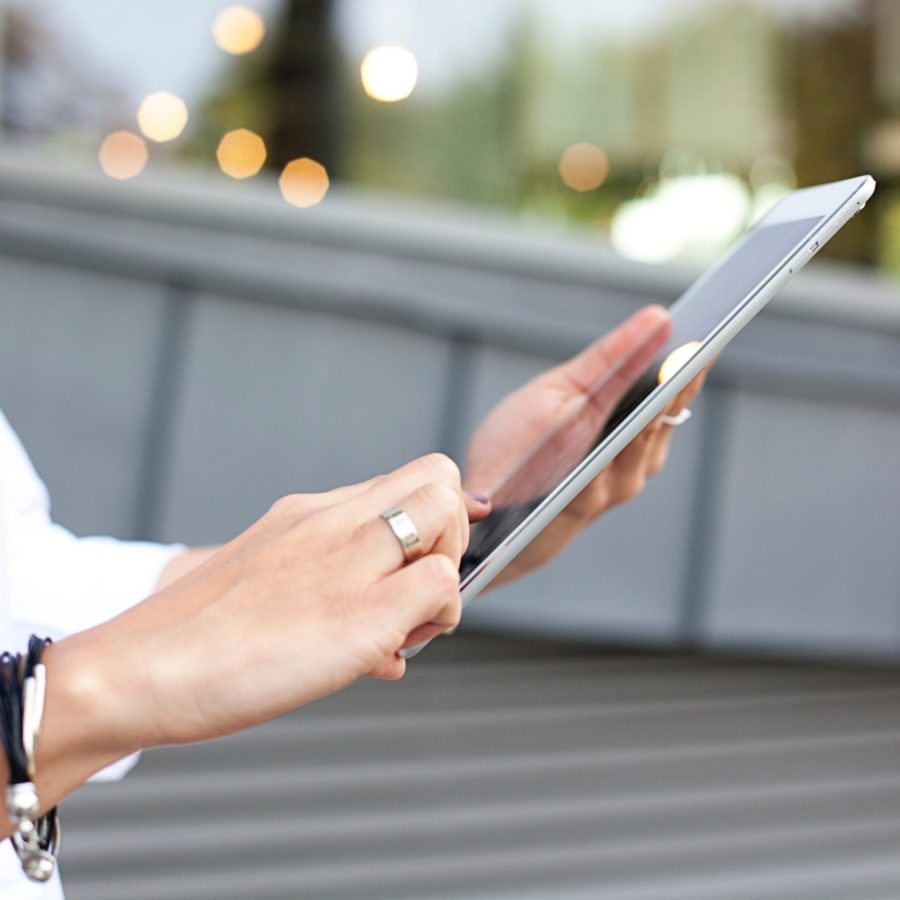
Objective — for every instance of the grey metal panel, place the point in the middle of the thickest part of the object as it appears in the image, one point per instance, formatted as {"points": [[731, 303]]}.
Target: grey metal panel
{"points": [[407, 229], [299, 401], [78, 354], [818, 359], [522, 770], [185, 223], [807, 546]]}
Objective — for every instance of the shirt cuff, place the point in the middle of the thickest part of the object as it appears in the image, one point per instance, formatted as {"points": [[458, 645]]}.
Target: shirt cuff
{"points": [[61, 584], [117, 771]]}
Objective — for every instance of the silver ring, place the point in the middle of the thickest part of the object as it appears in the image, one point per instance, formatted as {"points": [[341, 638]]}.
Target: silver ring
{"points": [[680, 419], [405, 531]]}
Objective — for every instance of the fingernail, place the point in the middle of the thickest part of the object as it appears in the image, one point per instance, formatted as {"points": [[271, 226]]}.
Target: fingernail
{"points": [[479, 498]]}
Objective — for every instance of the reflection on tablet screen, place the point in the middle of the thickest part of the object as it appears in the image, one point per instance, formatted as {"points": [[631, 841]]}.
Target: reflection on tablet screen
{"points": [[629, 382]]}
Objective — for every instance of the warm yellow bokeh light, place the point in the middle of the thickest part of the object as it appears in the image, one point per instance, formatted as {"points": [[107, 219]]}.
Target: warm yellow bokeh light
{"points": [[238, 29], [676, 360], [241, 153], [123, 154], [583, 167], [389, 73], [162, 116], [304, 182]]}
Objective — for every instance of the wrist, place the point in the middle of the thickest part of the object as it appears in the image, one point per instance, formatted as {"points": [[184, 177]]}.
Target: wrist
{"points": [[79, 735], [87, 721]]}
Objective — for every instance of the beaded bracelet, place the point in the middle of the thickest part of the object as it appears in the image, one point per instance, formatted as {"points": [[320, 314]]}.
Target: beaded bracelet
{"points": [[23, 681]]}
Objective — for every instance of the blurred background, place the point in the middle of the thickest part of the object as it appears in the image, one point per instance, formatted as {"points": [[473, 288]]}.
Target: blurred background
{"points": [[227, 236]]}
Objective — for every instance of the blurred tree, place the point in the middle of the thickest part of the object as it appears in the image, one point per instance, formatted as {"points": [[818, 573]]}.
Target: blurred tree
{"points": [[465, 142], [493, 134], [45, 90], [303, 99], [288, 91], [836, 106]]}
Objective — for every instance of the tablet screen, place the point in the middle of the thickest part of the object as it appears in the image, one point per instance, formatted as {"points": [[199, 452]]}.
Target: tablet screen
{"points": [[700, 311]]}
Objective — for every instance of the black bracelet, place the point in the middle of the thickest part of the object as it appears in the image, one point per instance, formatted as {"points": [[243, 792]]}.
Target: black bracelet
{"points": [[22, 683]]}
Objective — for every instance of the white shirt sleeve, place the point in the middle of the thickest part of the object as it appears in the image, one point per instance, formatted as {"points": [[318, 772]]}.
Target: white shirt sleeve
{"points": [[56, 583]]}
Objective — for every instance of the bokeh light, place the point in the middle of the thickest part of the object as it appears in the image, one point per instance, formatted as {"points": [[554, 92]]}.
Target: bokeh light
{"points": [[123, 154], [304, 182], [238, 29], [241, 153], [691, 217], [583, 167], [162, 116], [389, 74], [676, 360]]}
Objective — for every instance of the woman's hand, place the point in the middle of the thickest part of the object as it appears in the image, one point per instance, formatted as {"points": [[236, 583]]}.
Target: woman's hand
{"points": [[310, 598], [314, 595], [514, 425]]}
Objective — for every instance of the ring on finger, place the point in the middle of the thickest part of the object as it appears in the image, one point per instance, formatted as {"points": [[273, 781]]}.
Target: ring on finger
{"points": [[679, 419], [405, 531]]}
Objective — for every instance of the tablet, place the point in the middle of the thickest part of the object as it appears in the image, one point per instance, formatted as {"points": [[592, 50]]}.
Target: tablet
{"points": [[636, 389]]}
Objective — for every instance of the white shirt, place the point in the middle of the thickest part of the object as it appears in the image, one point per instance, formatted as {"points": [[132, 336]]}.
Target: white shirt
{"points": [[53, 584]]}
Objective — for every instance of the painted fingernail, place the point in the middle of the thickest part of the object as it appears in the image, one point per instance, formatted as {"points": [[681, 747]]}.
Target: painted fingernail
{"points": [[479, 498]]}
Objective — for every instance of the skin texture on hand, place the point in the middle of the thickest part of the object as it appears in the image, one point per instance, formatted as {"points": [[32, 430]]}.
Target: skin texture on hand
{"points": [[521, 418], [311, 597], [326, 576]]}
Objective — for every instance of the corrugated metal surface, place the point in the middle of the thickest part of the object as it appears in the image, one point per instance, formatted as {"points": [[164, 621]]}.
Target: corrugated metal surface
{"points": [[506, 769]]}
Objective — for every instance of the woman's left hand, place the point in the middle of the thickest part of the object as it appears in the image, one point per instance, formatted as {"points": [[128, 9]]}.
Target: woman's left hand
{"points": [[513, 426]]}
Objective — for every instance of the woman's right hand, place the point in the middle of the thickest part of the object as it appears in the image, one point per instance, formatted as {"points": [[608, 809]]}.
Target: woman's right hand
{"points": [[311, 597]]}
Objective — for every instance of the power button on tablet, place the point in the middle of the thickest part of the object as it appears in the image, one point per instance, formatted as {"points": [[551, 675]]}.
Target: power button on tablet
{"points": [[806, 256]]}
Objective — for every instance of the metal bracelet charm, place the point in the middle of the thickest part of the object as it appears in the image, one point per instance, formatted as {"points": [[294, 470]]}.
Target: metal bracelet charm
{"points": [[36, 838]]}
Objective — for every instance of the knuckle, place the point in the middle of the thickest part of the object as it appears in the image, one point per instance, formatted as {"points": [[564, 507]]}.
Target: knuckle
{"points": [[287, 505], [390, 669], [660, 461], [580, 510], [592, 501], [442, 497], [359, 531], [443, 467], [587, 506], [394, 673], [455, 611], [634, 486], [443, 573]]}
